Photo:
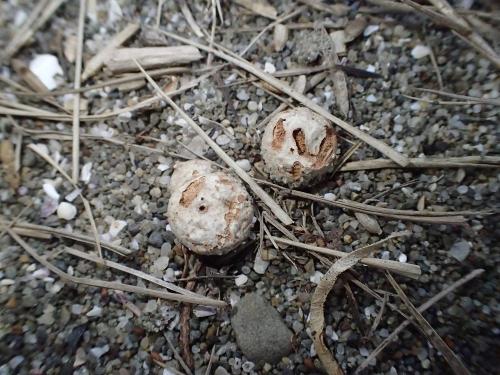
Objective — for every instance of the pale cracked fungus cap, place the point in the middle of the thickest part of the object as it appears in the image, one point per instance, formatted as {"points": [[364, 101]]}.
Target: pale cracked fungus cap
{"points": [[185, 171], [298, 146], [211, 213]]}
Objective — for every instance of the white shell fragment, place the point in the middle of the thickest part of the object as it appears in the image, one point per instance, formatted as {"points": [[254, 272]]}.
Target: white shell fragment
{"points": [[209, 211], [66, 211], [298, 145], [420, 51], [46, 67], [280, 37]]}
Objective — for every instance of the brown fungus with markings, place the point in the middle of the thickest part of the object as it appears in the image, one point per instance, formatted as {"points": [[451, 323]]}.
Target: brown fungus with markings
{"points": [[298, 146], [209, 210]]}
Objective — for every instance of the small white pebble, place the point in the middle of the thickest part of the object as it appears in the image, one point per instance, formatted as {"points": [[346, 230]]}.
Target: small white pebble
{"points": [[46, 67], [370, 29], [223, 140], [86, 173], [51, 191], [420, 51], [116, 227], [163, 167], [66, 211], [241, 280], [7, 282], [316, 277], [98, 352], [371, 98], [96, 311], [76, 309], [462, 189], [244, 164], [269, 68], [72, 196], [402, 258], [330, 196]]}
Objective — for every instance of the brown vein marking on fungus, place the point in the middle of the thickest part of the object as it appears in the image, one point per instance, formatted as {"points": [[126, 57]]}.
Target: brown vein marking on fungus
{"points": [[326, 149], [300, 141], [297, 169], [278, 134], [191, 192], [232, 212]]}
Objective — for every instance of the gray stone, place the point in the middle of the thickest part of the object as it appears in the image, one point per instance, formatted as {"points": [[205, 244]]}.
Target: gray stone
{"points": [[221, 371], [260, 332], [156, 239], [460, 250]]}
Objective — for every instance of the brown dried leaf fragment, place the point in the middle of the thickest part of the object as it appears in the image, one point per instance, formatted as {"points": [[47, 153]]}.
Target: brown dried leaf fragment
{"points": [[7, 157], [321, 292]]}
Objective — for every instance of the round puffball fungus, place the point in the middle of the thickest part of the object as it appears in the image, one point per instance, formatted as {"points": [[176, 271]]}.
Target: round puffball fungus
{"points": [[211, 212], [298, 145]]}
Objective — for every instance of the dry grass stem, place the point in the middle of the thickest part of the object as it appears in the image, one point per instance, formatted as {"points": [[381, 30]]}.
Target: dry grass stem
{"points": [[102, 283], [97, 61], [37, 18], [449, 162], [142, 275], [405, 269], [76, 97], [41, 231], [425, 306], [453, 360], [186, 12], [317, 321]]}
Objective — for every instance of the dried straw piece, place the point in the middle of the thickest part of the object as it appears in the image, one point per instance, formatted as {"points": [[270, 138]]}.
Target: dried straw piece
{"points": [[275, 208], [40, 14], [453, 360], [425, 306], [76, 97], [122, 59], [318, 299], [190, 19], [260, 7], [96, 62], [450, 162], [41, 231], [244, 64], [102, 283], [140, 274], [405, 269], [86, 203]]}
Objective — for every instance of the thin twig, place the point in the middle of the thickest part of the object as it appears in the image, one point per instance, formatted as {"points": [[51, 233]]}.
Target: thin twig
{"points": [[420, 309], [41, 231], [405, 269], [177, 355], [76, 97], [453, 360], [102, 283], [415, 163], [142, 275]]}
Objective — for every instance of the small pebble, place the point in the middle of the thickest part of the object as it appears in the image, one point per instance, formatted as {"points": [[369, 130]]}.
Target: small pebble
{"points": [[420, 51], [66, 211], [244, 164], [241, 280], [223, 140], [269, 68]]}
